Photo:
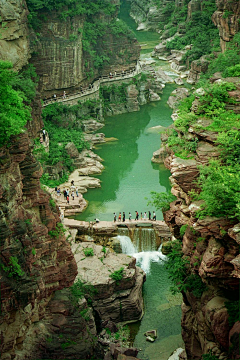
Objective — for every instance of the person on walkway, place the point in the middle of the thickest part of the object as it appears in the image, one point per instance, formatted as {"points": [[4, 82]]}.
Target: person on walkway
{"points": [[119, 217], [72, 182], [145, 216], [141, 216], [123, 217], [64, 194], [154, 216], [114, 217], [77, 192], [68, 199], [149, 215], [44, 134], [130, 216], [137, 215], [67, 192], [73, 195], [58, 192]]}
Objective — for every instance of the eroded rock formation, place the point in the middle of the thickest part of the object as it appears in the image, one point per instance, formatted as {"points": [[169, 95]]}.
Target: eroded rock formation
{"points": [[14, 39], [212, 246], [226, 18], [36, 260]]}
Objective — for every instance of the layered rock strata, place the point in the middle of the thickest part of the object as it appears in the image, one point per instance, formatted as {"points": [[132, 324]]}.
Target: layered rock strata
{"points": [[35, 259], [226, 18], [212, 247], [14, 39]]}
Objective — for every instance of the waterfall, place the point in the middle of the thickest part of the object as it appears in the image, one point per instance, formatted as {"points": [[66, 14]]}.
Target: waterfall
{"points": [[143, 248], [127, 245], [144, 239]]}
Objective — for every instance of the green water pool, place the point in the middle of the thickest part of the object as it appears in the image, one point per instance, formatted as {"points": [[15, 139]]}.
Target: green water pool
{"points": [[129, 175]]}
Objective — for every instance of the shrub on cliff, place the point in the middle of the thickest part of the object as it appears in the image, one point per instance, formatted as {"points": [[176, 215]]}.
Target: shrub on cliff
{"points": [[219, 190], [200, 32], [14, 113], [179, 273]]}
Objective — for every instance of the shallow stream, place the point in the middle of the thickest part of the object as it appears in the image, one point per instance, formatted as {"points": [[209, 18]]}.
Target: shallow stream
{"points": [[127, 180]]}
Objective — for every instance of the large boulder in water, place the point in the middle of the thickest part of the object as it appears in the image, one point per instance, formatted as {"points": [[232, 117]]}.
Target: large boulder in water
{"points": [[116, 298]]}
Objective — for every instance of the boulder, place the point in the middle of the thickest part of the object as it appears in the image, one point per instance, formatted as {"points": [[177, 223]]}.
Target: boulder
{"points": [[91, 125], [176, 96], [179, 81], [72, 150], [153, 96], [163, 77], [110, 293]]}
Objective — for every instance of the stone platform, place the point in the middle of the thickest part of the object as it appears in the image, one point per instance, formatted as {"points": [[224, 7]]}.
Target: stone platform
{"points": [[110, 228]]}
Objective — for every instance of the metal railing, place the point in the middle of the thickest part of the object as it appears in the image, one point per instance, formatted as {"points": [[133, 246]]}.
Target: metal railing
{"points": [[95, 86]]}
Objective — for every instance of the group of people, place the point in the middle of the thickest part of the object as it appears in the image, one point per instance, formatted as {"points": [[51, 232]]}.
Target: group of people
{"points": [[68, 192], [122, 216]]}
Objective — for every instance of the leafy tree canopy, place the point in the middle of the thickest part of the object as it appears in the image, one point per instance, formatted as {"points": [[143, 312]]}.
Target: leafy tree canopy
{"points": [[14, 114]]}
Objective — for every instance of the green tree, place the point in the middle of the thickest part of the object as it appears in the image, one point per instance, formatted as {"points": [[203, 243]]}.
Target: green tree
{"points": [[14, 113]]}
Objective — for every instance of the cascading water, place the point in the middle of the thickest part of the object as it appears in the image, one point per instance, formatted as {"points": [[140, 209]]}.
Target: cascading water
{"points": [[143, 249]]}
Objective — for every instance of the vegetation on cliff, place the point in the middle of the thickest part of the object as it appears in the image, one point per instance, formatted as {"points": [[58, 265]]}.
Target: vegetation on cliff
{"points": [[61, 131], [199, 31], [99, 21], [16, 91]]}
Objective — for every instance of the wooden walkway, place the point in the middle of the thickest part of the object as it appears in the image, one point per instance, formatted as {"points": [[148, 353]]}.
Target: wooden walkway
{"points": [[83, 94]]}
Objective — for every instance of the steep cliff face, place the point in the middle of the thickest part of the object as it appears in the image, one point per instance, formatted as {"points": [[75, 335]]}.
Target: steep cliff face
{"points": [[34, 262], [148, 15], [61, 58], [14, 33], [211, 245], [226, 18]]}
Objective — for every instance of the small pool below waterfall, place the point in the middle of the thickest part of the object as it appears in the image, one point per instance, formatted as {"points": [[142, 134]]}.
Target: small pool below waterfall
{"points": [[162, 309]]}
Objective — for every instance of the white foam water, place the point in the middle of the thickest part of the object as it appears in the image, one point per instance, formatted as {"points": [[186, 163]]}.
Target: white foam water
{"points": [[144, 258]]}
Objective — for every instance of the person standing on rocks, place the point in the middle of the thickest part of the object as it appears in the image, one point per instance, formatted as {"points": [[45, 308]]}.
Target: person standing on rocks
{"points": [[77, 192], [149, 215], [114, 217], [130, 216], [141, 216], [73, 195], [145, 216], [119, 217], [154, 216], [68, 199], [123, 217]]}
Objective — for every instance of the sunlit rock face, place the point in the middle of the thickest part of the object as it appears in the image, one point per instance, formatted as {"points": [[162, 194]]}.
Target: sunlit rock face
{"points": [[226, 18], [14, 34]]}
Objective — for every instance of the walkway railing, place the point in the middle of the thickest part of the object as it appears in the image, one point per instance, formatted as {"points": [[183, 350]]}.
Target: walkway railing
{"points": [[95, 86]]}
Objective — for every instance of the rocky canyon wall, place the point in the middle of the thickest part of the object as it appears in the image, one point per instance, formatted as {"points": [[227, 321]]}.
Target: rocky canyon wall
{"points": [[226, 18], [14, 33], [211, 245], [36, 260]]}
